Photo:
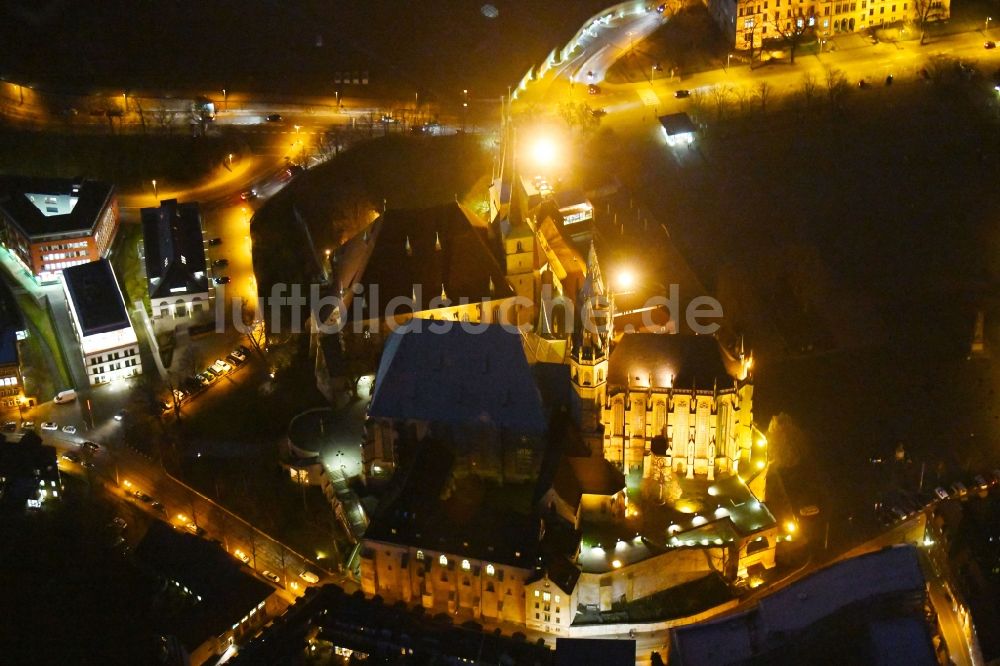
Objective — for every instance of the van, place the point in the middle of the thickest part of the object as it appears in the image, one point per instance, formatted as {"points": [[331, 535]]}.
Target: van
{"points": [[69, 395]]}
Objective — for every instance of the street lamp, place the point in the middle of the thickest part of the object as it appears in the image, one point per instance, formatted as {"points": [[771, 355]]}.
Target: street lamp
{"points": [[225, 100], [729, 59], [988, 19]]}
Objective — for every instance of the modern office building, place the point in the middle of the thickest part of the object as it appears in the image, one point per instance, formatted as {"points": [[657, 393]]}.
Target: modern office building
{"points": [[101, 324], [49, 224]]}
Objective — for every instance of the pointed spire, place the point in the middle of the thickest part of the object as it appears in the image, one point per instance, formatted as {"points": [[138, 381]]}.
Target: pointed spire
{"points": [[409, 248], [444, 294], [366, 235], [413, 294], [492, 287], [437, 241]]}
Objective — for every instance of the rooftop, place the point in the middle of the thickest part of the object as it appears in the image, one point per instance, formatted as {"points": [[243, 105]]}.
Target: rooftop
{"points": [[418, 253], [175, 250], [96, 298], [458, 377], [473, 518], [786, 613], [227, 592], [661, 360], [677, 123], [43, 207], [604, 651]]}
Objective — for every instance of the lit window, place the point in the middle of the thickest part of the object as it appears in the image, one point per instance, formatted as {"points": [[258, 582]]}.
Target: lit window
{"points": [[443, 561], [465, 564], [546, 597], [557, 598], [420, 554], [490, 570], [537, 593]]}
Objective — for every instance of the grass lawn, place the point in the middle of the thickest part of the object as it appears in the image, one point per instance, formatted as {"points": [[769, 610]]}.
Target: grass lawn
{"points": [[40, 325], [127, 160], [128, 266]]}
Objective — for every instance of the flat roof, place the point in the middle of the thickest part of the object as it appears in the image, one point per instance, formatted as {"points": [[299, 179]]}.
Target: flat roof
{"points": [[95, 297], [43, 207], [677, 123]]}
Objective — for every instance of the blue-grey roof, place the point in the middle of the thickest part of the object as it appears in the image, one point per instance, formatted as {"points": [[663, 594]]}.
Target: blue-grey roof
{"points": [[458, 377], [885, 572], [782, 616], [900, 640]]}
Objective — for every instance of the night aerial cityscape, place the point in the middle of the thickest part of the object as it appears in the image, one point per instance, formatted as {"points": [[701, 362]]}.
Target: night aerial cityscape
{"points": [[542, 333]]}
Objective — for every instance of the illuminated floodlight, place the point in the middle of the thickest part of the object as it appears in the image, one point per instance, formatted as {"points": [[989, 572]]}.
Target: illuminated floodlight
{"points": [[544, 151], [625, 279]]}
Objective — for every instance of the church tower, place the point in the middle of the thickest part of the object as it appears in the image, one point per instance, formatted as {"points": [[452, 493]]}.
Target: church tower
{"points": [[519, 259], [591, 342]]}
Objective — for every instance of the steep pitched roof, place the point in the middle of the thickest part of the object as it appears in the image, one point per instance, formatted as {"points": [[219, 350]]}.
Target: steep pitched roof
{"points": [[175, 250], [458, 376], [690, 360], [419, 252]]}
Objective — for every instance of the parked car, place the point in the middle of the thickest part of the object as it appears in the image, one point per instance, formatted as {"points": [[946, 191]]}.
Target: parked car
{"points": [[144, 498], [220, 263], [213, 373], [156, 506], [241, 556], [203, 380], [248, 195], [941, 493], [120, 414], [989, 44], [958, 489], [309, 577], [194, 529], [49, 425], [594, 89], [10, 426], [682, 93], [215, 241], [222, 280], [221, 365], [89, 464], [273, 117], [70, 456], [69, 429], [240, 354], [271, 576], [980, 482], [27, 425], [598, 113], [93, 447], [119, 523], [234, 361]]}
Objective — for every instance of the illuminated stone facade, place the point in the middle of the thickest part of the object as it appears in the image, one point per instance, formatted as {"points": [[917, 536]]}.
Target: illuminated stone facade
{"points": [[754, 22]]}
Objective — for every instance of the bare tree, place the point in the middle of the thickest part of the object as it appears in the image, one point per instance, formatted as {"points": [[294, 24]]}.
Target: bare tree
{"points": [[165, 119], [720, 96], [744, 99], [750, 26], [925, 11], [836, 86], [793, 31], [255, 329], [808, 88], [763, 95]]}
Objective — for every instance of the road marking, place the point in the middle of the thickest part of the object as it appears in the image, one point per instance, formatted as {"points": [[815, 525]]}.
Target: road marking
{"points": [[648, 97]]}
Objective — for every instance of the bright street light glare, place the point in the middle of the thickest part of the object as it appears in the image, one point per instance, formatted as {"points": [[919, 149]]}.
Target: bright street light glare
{"points": [[543, 151], [626, 279]]}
